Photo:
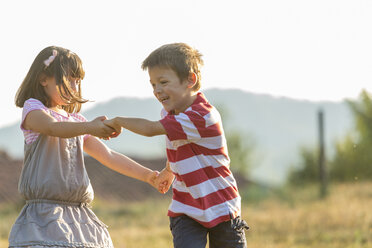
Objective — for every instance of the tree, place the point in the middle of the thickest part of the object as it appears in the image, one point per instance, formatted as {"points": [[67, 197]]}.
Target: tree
{"points": [[353, 156], [353, 153], [308, 170], [240, 145], [240, 152]]}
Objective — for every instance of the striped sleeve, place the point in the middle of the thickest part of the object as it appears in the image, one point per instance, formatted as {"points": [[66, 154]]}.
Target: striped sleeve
{"points": [[184, 126], [79, 117], [30, 105]]}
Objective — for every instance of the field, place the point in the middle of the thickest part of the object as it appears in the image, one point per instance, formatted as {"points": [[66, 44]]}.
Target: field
{"points": [[278, 219]]}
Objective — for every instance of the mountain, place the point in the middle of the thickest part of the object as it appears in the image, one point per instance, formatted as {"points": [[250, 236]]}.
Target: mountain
{"points": [[277, 126]]}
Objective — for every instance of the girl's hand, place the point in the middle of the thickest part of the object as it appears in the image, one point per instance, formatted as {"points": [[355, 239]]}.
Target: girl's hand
{"points": [[114, 125], [151, 179], [99, 129]]}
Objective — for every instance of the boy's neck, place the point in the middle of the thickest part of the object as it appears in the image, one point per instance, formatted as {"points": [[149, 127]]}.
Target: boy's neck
{"points": [[191, 100]]}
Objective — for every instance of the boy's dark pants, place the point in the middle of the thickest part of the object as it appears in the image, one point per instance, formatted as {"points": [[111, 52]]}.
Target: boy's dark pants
{"points": [[187, 233]]}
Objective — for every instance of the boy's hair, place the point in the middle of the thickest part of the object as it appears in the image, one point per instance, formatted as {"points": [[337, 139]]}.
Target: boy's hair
{"points": [[179, 57], [57, 62]]}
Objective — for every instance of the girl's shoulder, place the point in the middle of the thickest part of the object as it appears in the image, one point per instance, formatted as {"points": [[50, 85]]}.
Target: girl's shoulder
{"points": [[33, 103], [28, 106]]}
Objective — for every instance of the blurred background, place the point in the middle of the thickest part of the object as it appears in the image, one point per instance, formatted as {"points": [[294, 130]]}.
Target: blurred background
{"points": [[290, 78]]}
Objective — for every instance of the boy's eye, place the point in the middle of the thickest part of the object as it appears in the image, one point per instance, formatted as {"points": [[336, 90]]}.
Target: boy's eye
{"points": [[164, 82]]}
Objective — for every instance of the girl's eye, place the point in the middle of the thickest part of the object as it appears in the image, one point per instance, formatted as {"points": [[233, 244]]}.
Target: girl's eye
{"points": [[75, 82], [164, 82]]}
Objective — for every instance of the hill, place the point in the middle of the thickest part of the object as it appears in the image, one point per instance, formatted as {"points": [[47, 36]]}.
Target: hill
{"points": [[108, 185], [277, 127]]}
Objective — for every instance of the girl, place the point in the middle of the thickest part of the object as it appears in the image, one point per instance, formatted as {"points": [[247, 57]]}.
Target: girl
{"points": [[54, 181]]}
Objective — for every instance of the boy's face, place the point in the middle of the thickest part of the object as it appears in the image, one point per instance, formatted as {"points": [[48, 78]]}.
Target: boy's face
{"points": [[175, 95]]}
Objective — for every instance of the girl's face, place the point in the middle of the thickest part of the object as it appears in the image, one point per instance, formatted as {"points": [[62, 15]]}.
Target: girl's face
{"points": [[53, 93]]}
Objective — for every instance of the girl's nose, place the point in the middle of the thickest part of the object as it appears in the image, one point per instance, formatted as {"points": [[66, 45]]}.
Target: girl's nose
{"points": [[73, 84]]}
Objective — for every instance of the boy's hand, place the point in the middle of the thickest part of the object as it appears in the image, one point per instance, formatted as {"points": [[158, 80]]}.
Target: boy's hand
{"points": [[113, 124], [99, 129], [164, 180]]}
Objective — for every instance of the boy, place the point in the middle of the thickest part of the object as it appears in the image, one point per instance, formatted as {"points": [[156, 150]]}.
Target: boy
{"points": [[205, 200]]}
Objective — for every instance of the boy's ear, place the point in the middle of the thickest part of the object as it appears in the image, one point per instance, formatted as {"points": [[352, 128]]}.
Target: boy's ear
{"points": [[192, 80]]}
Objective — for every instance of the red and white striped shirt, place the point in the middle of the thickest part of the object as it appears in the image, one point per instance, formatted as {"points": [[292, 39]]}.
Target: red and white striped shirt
{"points": [[34, 104], [204, 187]]}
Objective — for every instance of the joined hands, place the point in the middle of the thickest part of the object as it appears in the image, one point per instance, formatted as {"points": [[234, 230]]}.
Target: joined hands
{"points": [[161, 181], [97, 128], [164, 179], [110, 123]]}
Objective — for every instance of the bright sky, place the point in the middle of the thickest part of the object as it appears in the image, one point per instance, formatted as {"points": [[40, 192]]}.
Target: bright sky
{"points": [[303, 49]]}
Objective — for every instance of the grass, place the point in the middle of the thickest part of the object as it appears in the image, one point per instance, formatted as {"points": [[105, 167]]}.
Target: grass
{"points": [[278, 219], [301, 219]]}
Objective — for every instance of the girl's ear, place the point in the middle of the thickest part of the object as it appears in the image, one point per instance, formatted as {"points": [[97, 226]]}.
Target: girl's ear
{"points": [[192, 80], [42, 80]]}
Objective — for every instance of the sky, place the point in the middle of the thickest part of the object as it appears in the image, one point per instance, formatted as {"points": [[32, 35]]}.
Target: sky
{"points": [[318, 50]]}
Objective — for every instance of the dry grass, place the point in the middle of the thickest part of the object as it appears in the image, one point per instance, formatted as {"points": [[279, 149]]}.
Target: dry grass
{"points": [[343, 219], [293, 218]]}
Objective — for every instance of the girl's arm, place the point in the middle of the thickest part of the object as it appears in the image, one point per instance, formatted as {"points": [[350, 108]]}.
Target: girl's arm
{"points": [[41, 122], [118, 162], [137, 125]]}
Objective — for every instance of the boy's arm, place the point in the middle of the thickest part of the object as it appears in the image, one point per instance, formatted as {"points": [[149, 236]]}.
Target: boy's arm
{"points": [[41, 122], [118, 162], [137, 125]]}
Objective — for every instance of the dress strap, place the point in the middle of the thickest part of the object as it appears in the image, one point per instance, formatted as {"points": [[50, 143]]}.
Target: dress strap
{"points": [[77, 204]]}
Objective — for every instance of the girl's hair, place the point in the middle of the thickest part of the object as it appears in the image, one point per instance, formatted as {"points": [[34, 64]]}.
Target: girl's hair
{"points": [[63, 65], [179, 57]]}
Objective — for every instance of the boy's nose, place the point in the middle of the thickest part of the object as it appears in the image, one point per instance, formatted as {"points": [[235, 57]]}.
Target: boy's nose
{"points": [[157, 89]]}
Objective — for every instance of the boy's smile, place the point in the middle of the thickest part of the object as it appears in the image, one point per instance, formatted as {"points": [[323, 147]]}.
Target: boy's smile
{"points": [[175, 95]]}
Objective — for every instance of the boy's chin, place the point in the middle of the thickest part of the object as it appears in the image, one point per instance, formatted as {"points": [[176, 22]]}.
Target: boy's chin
{"points": [[169, 110]]}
